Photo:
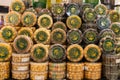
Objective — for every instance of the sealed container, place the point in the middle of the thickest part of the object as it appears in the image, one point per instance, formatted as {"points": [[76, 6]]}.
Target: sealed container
{"points": [[101, 10], [93, 75], [93, 71], [20, 58], [58, 36], [75, 71], [57, 75], [57, 66], [20, 74], [42, 35], [20, 66], [22, 44], [29, 19], [38, 67], [90, 36], [74, 22], [8, 33], [107, 44], [92, 53], [17, 6], [103, 23], [4, 75], [106, 32], [75, 75], [111, 76], [38, 75], [75, 67], [75, 53], [60, 25], [4, 67], [58, 10], [39, 52], [93, 67], [57, 53], [45, 21], [114, 16], [13, 18], [72, 9], [109, 59], [5, 52], [26, 31], [85, 6], [89, 15], [74, 36], [115, 27]]}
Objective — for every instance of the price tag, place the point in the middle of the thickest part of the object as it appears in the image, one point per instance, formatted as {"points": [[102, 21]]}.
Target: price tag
{"points": [[85, 68], [117, 60]]}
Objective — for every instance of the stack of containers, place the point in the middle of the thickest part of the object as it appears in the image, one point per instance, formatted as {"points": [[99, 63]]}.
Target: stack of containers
{"points": [[92, 53], [116, 27], [5, 55], [57, 52], [21, 57], [75, 68]]}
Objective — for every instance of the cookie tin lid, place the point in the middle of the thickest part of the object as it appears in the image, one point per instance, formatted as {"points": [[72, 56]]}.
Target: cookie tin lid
{"points": [[5, 52], [22, 44], [45, 21], [74, 22], [18, 6], [8, 33], [58, 10], [29, 19], [92, 52], [58, 36], [13, 18], [75, 53], [107, 44], [26, 31], [39, 52], [42, 35], [74, 36], [101, 9], [90, 36], [72, 9], [57, 53], [103, 23], [115, 27], [106, 32], [85, 6], [89, 15], [114, 16], [60, 25]]}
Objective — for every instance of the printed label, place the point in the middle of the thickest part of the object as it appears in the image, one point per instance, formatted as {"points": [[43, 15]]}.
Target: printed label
{"points": [[39, 78], [117, 60], [117, 2], [85, 68], [23, 68], [25, 59]]}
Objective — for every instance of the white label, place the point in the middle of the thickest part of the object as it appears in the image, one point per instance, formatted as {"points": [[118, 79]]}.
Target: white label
{"points": [[117, 60], [25, 59], [117, 2], [39, 77], [85, 68], [117, 9], [23, 68]]}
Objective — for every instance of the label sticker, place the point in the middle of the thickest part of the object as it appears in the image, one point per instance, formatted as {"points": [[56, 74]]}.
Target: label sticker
{"points": [[39, 78], [23, 68], [25, 59], [117, 60]]}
